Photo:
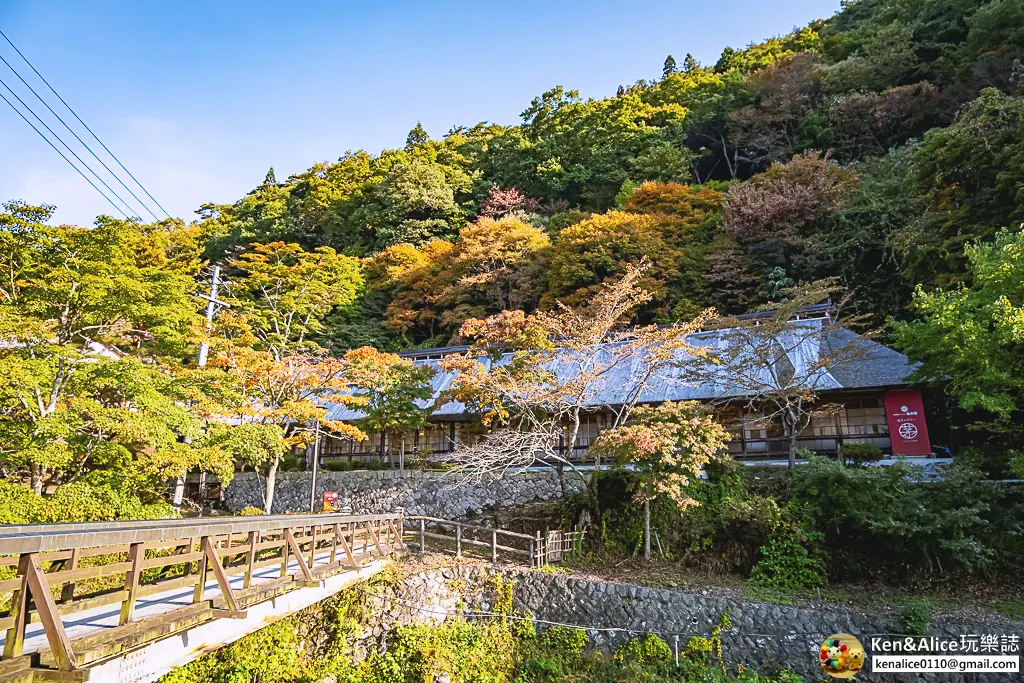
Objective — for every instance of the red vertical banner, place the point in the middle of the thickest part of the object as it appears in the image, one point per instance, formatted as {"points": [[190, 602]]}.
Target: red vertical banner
{"points": [[908, 431], [330, 501]]}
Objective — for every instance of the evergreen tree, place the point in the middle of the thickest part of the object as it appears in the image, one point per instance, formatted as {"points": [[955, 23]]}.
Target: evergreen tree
{"points": [[270, 180], [670, 67], [689, 64], [417, 136]]}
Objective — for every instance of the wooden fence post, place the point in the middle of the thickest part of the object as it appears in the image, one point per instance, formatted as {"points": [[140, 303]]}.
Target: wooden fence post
{"points": [[56, 636], [423, 536], [458, 540], [136, 553], [197, 594], [19, 610], [494, 547], [250, 558], [67, 593]]}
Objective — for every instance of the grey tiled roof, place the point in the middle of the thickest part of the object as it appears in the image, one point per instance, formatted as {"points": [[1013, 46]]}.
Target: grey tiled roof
{"points": [[872, 366]]}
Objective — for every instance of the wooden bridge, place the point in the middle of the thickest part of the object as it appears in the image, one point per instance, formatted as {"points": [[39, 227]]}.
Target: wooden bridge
{"points": [[130, 601]]}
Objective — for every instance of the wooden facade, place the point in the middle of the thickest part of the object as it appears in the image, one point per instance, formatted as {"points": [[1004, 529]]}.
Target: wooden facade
{"points": [[849, 416]]}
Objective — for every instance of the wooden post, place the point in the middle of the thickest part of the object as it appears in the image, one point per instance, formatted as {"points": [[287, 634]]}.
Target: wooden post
{"points": [[67, 593], [191, 547], [306, 575], [334, 542], [340, 536], [210, 551], [494, 546], [197, 594], [250, 558], [541, 559], [376, 539], [397, 534], [312, 546], [136, 554], [533, 554], [284, 554], [423, 536], [56, 636], [458, 540], [15, 639]]}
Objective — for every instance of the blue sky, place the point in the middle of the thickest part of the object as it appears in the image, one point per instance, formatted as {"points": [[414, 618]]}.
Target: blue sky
{"points": [[198, 99]]}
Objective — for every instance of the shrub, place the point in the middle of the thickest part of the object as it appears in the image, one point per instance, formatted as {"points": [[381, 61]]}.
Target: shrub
{"points": [[916, 618], [571, 641], [888, 522], [336, 466], [77, 502], [786, 563], [645, 650], [250, 511], [860, 453]]}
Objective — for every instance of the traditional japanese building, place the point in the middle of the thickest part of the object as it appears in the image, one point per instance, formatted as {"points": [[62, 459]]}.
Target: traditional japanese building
{"points": [[865, 396]]}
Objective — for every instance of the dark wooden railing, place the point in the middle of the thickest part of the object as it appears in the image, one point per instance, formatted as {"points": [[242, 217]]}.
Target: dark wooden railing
{"points": [[61, 569], [536, 550]]}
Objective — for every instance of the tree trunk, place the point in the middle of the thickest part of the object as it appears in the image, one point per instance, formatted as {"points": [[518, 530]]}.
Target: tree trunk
{"points": [[179, 493], [647, 529], [594, 493], [37, 478], [560, 468], [790, 420], [271, 481]]}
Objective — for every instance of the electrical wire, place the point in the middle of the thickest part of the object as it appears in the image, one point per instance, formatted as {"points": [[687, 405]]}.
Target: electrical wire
{"points": [[84, 125], [50, 130], [80, 140], [84, 177]]}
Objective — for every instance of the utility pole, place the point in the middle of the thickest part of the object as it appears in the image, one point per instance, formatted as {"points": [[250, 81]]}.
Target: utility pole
{"points": [[213, 304]]}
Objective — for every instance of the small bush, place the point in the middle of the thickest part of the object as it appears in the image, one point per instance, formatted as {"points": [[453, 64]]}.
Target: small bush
{"points": [[336, 466], [916, 619], [786, 563], [569, 641], [644, 650], [860, 453], [250, 511]]}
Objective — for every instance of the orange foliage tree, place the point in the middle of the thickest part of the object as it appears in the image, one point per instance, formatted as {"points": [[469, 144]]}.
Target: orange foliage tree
{"points": [[552, 368]]}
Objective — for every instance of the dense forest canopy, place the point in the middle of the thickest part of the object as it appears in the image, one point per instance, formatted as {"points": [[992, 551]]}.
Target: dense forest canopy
{"points": [[883, 146], [874, 145]]}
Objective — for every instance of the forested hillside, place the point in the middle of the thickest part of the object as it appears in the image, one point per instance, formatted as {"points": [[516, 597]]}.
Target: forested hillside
{"points": [[883, 146], [873, 146]]}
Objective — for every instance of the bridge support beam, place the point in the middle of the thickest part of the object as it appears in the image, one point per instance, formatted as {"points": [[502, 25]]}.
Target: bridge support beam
{"points": [[160, 657]]}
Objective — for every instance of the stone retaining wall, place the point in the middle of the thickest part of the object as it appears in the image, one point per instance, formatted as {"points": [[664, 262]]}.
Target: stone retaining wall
{"points": [[435, 494], [763, 635]]}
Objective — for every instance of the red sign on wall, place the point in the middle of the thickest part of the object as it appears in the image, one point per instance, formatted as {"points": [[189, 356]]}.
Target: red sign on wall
{"points": [[908, 430], [330, 501]]}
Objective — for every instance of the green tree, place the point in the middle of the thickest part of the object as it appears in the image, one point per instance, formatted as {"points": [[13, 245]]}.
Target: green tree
{"points": [[285, 292], [663, 448], [94, 322], [396, 392], [971, 335]]}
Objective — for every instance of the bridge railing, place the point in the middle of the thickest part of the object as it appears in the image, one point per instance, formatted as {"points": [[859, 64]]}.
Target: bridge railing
{"points": [[62, 569], [535, 551]]}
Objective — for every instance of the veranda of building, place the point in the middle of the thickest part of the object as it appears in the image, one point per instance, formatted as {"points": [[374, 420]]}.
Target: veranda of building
{"points": [[854, 389]]}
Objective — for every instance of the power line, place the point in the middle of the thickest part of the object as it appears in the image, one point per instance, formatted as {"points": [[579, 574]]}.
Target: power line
{"points": [[80, 140], [50, 130], [73, 113], [84, 177]]}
